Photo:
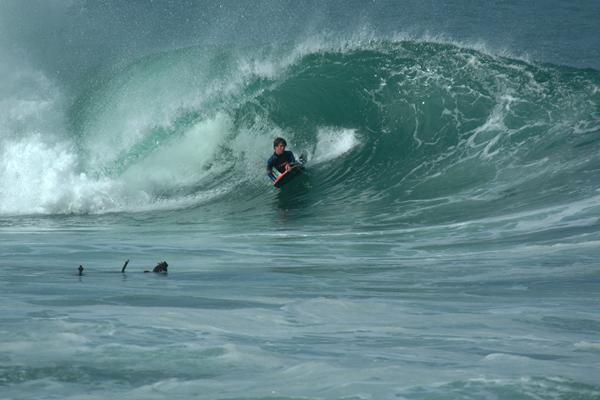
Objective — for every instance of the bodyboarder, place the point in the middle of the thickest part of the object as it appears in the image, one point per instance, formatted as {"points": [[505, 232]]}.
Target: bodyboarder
{"points": [[282, 160]]}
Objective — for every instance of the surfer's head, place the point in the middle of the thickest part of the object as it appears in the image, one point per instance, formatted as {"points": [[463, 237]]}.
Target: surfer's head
{"points": [[279, 145]]}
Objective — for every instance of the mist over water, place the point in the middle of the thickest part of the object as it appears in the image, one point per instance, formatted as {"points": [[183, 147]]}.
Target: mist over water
{"points": [[442, 242]]}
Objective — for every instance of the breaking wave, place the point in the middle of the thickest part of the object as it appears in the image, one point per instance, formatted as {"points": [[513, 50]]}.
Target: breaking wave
{"points": [[395, 130]]}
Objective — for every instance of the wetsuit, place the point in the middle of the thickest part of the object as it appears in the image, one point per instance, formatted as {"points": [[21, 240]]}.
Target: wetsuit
{"points": [[279, 162]]}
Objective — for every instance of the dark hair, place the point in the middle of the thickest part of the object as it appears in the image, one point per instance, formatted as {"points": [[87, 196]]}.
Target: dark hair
{"points": [[279, 141]]}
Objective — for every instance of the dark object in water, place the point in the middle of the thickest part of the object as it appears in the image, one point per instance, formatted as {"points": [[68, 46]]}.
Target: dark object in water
{"points": [[80, 269], [161, 268], [124, 266]]}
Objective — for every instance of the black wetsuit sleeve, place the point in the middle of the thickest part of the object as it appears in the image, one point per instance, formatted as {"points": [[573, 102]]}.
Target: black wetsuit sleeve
{"points": [[270, 169], [291, 158]]}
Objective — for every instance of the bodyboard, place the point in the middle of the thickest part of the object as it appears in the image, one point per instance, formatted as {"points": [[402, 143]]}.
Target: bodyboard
{"points": [[288, 175]]}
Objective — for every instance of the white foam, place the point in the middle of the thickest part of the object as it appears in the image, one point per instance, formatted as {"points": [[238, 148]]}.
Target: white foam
{"points": [[41, 177], [333, 143], [506, 357], [588, 346]]}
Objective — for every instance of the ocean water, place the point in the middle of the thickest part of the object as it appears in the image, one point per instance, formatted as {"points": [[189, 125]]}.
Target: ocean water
{"points": [[442, 244]]}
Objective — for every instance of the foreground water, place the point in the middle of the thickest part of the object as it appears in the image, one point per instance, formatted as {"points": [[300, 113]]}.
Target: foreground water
{"points": [[289, 312], [443, 242]]}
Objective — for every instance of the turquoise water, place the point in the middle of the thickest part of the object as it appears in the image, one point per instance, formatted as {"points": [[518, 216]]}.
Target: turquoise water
{"points": [[443, 242]]}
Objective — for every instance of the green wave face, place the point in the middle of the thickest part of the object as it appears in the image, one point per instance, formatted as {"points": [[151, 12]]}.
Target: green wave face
{"points": [[445, 133]]}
